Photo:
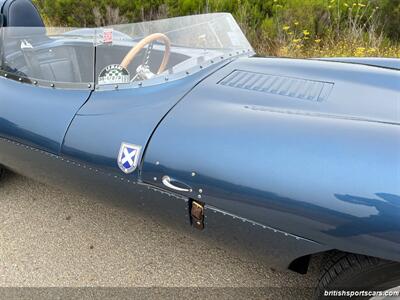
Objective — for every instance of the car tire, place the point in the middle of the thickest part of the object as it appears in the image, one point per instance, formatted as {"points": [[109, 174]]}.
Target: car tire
{"points": [[2, 173], [356, 273]]}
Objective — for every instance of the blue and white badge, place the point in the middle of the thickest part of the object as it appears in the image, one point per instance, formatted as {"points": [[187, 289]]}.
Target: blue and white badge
{"points": [[128, 157]]}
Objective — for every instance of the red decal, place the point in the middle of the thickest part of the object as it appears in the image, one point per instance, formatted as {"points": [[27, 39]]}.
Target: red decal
{"points": [[107, 36]]}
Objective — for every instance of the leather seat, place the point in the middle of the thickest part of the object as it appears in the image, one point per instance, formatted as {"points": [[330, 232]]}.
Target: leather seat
{"points": [[19, 13], [23, 23], [20, 20]]}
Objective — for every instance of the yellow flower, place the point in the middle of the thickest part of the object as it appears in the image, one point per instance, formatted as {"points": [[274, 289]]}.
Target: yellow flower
{"points": [[296, 41], [360, 51], [361, 5], [286, 27], [306, 32], [290, 33], [346, 5], [317, 41], [296, 23], [329, 6]]}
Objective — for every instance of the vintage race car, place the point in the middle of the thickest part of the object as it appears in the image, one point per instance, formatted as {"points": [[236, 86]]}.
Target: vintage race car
{"points": [[282, 158]]}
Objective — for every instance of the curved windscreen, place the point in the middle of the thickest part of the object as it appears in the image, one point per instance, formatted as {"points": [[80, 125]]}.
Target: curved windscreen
{"points": [[121, 55]]}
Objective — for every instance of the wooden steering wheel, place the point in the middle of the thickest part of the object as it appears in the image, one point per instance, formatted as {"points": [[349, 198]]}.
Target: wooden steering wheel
{"points": [[147, 40]]}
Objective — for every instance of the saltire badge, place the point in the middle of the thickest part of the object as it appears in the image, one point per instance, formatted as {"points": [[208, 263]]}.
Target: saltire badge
{"points": [[128, 157]]}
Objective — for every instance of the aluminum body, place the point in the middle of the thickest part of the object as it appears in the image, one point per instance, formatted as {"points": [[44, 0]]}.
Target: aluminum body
{"points": [[291, 157]]}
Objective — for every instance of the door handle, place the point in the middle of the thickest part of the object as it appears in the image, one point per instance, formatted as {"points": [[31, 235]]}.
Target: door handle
{"points": [[166, 180]]}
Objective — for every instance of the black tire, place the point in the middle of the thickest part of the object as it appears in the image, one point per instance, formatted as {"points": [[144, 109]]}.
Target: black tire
{"points": [[351, 272], [2, 173]]}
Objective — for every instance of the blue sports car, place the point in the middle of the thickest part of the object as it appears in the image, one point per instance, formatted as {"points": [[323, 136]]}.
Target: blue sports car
{"points": [[283, 158]]}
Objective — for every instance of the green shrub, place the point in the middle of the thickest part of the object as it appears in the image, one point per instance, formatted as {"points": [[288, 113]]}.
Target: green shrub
{"points": [[274, 27]]}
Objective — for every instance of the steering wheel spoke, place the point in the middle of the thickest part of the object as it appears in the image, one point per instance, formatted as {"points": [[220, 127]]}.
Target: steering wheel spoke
{"points": [[146, 56], [143, 69]]}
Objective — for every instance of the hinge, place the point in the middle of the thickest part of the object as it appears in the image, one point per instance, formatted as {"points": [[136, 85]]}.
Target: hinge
{"points": [[197, 214]]}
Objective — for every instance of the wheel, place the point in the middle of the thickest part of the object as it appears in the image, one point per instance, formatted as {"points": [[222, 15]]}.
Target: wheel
{"points": [[2, 172], [345, 273]]}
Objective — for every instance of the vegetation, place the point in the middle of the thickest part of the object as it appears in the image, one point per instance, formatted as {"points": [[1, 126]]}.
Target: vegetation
{"points": [[299, 28]]}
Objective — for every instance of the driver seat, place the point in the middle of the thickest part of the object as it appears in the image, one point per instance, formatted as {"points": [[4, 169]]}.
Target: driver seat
{"points": [[15, 14], [19, 13], [61, 65]]}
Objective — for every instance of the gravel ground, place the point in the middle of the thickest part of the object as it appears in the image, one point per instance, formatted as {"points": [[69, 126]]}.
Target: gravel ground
{"points": [[50, 238]]}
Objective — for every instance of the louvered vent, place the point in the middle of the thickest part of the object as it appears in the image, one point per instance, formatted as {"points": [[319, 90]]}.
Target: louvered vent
{"points": [[304, 89]]}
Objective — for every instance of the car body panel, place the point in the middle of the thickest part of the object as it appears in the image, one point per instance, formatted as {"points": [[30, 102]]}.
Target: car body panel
{"points": [[324, 170], [383, 62], [112, 117], [37, 117], [289, 172], [246, 238], [285, 157]]}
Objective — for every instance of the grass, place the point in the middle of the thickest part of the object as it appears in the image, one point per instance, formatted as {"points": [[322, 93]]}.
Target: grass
{"points": [[342, 28], [321, 48], [289, 28]]}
